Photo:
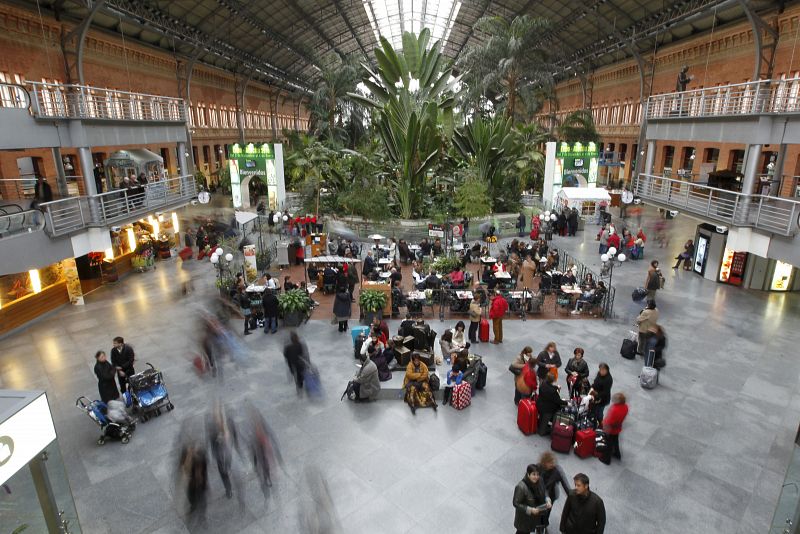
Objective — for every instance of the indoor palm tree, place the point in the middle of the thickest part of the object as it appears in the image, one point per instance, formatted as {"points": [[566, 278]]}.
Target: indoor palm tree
{"points": [[330, 105], [578, 126], [511, 62]]}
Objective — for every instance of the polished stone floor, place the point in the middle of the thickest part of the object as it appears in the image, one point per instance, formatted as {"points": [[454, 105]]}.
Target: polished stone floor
{"points": [[704, 452]]}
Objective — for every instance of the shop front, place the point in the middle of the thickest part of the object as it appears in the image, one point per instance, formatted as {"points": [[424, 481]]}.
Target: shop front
{"points": [[36, 492], [262, 162]]}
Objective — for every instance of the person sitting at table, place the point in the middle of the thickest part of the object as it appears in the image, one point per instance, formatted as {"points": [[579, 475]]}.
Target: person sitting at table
{"points": [[588, 282], [476, 250], [593, 296], [457, 277], [568, 279], [395, 275], [484, 252], [313, 272], [369, 265], [424, 248], [487, 277], [543, 248], [404, 252], [416, 384], [499, 267], [288, 284], [419, 280], [270, 282], [433, 281], [329, 276], [436, 248]]}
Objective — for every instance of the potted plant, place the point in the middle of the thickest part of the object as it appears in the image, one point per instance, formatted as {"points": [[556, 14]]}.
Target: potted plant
{"points": [[225, 284], [371, 303], [293, 305]]}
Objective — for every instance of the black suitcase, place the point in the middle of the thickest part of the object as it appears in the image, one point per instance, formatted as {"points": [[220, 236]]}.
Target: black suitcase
{"points": [[480, 372], [628, 350], [639, 294]]}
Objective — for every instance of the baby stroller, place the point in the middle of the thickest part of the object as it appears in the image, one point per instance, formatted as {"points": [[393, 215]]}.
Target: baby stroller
{"points": [[121, 427], [147, 393]]}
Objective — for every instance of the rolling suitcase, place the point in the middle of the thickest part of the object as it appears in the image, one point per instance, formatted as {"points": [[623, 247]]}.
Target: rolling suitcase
{"points": [[585, 442], [601, 449], [639, 294], [649, 377], [480, 371], [462, 396], [527, 416], [562, 434], [629, 346], [483, 333]]}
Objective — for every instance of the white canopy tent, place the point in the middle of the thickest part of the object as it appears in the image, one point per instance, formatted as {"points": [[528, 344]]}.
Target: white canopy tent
{"points": [[577, 197]]}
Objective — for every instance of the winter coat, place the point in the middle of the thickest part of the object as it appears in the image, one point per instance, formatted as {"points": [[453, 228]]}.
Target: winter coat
{"points": [[341, 305], [368, 378], [612, 422], [549, 401], [578, 366], [647, 319], [270, 304], [106, 385], [474, 311], [415, 376], [543, 359], [552, 478], [524, 498], [123, 358], [528, 271], [583, 514], [602, 385], [499, 307]]}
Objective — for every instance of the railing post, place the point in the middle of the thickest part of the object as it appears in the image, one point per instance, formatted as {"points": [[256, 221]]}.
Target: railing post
{"points": [[103, 208], [735, 209], [80, 210], [758, 211], [708, 204], [35, 103]]}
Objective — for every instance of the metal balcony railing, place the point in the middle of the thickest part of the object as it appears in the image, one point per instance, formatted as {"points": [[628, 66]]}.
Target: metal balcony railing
{"points": [[59, 101], [771, 214], [14, 96], [751, 98], [15, 220], [76, 213]]}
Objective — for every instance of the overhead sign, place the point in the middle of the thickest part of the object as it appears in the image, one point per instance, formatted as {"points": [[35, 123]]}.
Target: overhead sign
{"points": [[24, 435], [435, 230]]}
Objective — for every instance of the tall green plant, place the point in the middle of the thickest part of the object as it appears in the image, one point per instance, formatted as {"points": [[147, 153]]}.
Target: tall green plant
{"points": [[472, 198], [330, 105], [413, 94], [511, 62], [578, 126]]}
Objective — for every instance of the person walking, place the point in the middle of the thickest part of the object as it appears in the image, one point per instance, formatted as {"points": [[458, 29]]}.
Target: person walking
{"points": [[584, 511], [602, 384], [497, 311], [296, 355], [244, 304], [269, 302], [552, 475], [105, 374], [342, 309], [194, 466], [474, 317], [612, 426], [654, 280], [531, 503], [572, 222], [646, 320], [222, 438], [123, 357]]}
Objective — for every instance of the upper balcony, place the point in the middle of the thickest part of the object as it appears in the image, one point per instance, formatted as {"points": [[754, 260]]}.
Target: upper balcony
{"points": [[73, 214], [775, 215]]}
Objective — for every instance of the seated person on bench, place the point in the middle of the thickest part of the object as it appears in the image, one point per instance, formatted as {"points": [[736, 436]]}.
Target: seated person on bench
{"points": [[366, 384], [594, 296], [372, 341], [418, 392]]}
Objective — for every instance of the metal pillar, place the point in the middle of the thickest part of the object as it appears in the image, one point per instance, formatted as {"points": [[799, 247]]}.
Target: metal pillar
{"points": [[87, 170], [182, 161], [72, 44], [44, 491], [650, 157], [273, 111], [296, 110], [751, 160], [765, 39], [777, 172], [184, 69], [240, 87], [61, 176]]}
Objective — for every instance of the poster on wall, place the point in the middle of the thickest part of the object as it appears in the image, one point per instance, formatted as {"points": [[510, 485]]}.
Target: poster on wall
{"points": [[236, 181], [700, 255], [574, 165], [781, 277], [250, 264]]}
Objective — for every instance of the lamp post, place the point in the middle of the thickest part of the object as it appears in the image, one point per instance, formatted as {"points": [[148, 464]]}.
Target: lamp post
{"points": [[609, 259]]}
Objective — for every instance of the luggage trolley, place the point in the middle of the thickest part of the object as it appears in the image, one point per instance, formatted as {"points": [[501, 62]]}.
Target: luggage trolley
{"points": [[148, 393]]}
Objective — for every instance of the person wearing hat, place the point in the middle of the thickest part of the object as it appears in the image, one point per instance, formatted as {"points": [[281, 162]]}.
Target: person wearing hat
{"points": [[417, 386]]}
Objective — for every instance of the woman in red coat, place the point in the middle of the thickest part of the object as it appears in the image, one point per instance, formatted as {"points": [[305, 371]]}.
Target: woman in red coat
{"points": [[535, 222], [612, 425]]}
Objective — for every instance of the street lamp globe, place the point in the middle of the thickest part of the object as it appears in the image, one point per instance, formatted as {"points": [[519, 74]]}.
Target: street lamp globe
{"points": [[622, 257], [214, 259], [604, 258], [228, 257], [219, 251]]}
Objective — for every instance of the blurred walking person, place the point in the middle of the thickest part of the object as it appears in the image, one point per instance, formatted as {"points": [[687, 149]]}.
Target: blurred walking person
{"points": [[265, 450], [194, 467], [297, 359], [222, 438]]}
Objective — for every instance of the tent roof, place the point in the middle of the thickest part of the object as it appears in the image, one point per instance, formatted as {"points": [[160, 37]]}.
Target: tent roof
{"points": [[584, 193], [244, 217], [332, 259]]}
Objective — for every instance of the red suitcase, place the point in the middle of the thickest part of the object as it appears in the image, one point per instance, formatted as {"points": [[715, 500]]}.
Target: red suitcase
{"points": [[483, 334], [185, 254], [527, 416], [584, 442], [561, 436]]}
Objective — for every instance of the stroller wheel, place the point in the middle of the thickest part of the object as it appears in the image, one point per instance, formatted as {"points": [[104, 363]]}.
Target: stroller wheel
{"points": [[170, 407], [101, 441], [145, 417], [125, 439], [158, 412]]}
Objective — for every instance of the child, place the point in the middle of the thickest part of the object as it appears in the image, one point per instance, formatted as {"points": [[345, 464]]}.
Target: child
{"points": [[454, 378]]}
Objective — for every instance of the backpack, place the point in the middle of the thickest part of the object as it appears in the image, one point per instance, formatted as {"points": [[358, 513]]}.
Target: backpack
{"points": [[433, 382]]}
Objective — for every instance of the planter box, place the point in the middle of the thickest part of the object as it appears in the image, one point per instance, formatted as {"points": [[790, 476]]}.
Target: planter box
{"points": [[292, 319], [31, 306]]}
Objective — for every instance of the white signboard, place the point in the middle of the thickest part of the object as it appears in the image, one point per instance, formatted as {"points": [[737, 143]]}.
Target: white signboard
{"points": [[24, 435]]}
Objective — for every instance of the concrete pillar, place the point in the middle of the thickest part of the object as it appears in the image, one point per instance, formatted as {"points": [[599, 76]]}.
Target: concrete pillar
{"points": [[650, 157], [61, 176], [183, 159]]}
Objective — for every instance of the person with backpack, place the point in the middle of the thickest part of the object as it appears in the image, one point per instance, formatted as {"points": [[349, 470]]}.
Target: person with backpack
{"points": [[654, 280]]}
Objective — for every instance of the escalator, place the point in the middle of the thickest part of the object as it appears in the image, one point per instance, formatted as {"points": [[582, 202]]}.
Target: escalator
{"points": [[15, 220]]}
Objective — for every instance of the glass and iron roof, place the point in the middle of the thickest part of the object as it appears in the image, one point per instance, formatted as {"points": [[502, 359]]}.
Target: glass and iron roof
{"points": [[390, 18]]}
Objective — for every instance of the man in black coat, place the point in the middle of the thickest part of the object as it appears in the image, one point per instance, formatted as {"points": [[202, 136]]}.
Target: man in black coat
{"points": [[548, 402], [270, 304], [369, 265], [42, 190], [572, 222], [122, 357], [296, 355], [105, 373], [584, 512]]}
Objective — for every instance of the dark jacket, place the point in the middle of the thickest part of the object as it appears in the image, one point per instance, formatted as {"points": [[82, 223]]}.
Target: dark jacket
{"points": [[578, 366], [270, 304], [369, 265], [549, 401], [543, 359], [602, 385], [657, 343], [341, 305], [583, 514], [552, 478], [527, 495], [296, 357], [106, 385], [123, 358]]}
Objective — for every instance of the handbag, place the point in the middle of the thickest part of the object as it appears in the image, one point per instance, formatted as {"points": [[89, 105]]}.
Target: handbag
{"points": [[433, 382], [514, 370]]}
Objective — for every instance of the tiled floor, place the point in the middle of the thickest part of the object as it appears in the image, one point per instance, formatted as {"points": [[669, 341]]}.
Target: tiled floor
{"points": [[704, 452]]}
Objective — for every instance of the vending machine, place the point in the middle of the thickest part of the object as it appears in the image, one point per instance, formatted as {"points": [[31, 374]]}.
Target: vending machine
{"points": [[732, 269]]}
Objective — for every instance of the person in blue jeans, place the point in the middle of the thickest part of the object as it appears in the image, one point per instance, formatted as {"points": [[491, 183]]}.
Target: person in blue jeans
{"points": [[270, 304]]}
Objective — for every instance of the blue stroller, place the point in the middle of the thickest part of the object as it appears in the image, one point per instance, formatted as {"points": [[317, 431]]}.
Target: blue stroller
{"points": [[147, 393], [122, 429]]}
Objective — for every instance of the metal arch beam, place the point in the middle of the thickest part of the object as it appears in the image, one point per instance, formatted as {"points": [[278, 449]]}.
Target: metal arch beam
{"points": [[765, 38], [73, 43], [239, 89], [313, 25], [486, 5], [340, 11]]}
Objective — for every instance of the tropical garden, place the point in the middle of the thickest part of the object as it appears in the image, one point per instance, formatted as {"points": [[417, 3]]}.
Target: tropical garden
{"points": [[411, 134]]}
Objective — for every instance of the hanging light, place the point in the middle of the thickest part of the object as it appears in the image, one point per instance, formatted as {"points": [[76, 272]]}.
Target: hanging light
{"points": [[36, 282]]}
